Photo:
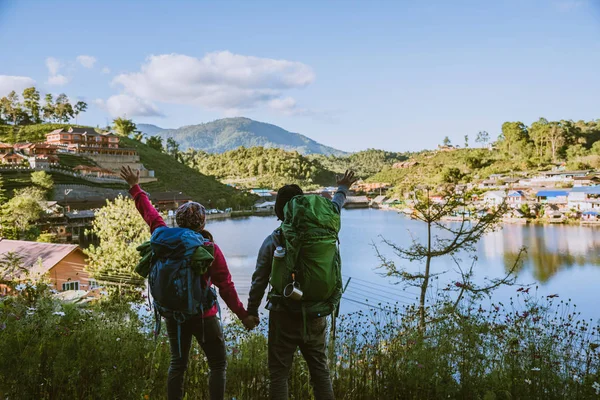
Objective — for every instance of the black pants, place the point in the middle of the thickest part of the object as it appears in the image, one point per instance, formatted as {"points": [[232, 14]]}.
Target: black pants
{"points": [[213, 347], [286, 334]]}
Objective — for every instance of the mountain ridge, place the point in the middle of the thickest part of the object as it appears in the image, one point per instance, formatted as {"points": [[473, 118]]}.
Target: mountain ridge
{"points": [[227, 134]]}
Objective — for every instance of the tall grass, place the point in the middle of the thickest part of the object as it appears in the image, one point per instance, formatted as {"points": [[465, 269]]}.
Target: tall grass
{"points": [[531, 348]]}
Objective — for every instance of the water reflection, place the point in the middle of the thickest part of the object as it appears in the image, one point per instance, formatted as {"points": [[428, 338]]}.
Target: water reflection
{"points": [[549, 248]]}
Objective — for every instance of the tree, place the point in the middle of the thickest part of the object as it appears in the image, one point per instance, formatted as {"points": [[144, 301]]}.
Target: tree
{"points": [[482, 137], [172, 147], [120, 229], [538, 132], [466, 141], [24, 208], [155, 142], [49, 109], [11, 108], [11, 266], [452, 175], [139, 136], [31, 102], [514, 136], [444, 240], [80, 106], [43, 180], [63, 108], [124, 127], [556, 138], [221, 203], [446, 141]]}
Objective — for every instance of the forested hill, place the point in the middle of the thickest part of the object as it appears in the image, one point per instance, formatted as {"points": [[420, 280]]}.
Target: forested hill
{"points": [[518, 151], [230, 133], [260, 167]]}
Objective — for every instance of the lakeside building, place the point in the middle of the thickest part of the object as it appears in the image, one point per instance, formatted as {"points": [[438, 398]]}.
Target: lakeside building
{"points": [[584, 198], [494, 197], [552, 196], [357, 202]]}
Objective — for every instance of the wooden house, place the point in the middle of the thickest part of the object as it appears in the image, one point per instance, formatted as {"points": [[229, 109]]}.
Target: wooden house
{"points": [[63, 264]]}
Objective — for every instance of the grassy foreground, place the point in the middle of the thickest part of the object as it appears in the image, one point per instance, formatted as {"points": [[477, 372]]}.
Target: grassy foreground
{"points": [[538, 350]]}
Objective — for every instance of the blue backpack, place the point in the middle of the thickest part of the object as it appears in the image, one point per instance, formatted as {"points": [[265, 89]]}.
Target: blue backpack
{"points": [[180, 258]]}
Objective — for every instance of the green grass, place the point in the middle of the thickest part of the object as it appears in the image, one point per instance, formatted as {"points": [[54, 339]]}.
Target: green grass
{"points": [[174, 176], [71, 160]]}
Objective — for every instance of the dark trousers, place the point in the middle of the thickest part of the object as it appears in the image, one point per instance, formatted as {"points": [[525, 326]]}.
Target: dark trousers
{"points": [[286, 334], [213, 347]]}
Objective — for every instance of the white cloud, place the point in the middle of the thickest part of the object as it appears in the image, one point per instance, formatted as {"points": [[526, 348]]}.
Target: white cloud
{"points": [[105, 70], [288, 106], [125, 105], [58, 80], [53, 65], [86, 61], [219, 80], [9, 83], [55, 78]]}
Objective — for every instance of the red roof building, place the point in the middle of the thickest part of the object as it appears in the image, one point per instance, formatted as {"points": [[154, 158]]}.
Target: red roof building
{"points": [[5, 148], [87, 140]]}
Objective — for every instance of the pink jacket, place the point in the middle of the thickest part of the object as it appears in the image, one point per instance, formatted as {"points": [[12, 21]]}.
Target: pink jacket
{"points": [[218, 272]]}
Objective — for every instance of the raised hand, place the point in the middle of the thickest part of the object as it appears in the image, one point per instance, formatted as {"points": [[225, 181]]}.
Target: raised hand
{"points": [[132, 178], [250, 322], [348, 179]]}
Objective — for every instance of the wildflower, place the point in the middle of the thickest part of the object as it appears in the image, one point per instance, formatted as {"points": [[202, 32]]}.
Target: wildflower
{"points": [[59, 313], [528, 381], [535, 369], [118, 339], [20, 287], [146, 397], [3, 326]]}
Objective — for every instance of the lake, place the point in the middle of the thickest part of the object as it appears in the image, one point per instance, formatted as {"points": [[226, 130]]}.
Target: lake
{"points": [[560, 259]]}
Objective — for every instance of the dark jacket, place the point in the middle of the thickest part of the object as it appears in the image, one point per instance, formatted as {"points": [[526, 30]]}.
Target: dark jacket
{"points": [[262, 273]]}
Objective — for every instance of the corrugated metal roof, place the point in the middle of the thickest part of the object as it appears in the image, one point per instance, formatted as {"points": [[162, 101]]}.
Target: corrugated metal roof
{"points": [[551, 193], [586, 189]]}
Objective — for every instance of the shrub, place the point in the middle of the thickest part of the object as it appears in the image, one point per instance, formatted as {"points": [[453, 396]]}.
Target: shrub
{"points": [[530, 348]]}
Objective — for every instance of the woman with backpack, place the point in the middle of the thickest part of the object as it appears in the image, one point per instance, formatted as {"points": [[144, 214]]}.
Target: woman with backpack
{"points": [[205, 325]]}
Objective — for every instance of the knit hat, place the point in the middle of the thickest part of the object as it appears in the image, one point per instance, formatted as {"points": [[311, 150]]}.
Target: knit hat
{"points": [[191, 215]]}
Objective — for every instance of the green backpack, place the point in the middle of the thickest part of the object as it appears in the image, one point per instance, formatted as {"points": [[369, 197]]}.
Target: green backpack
{"points": [[309, 234]]}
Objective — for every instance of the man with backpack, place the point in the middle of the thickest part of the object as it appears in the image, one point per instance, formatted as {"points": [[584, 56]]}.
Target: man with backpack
{"points": [[181, 265], [301, 262]]}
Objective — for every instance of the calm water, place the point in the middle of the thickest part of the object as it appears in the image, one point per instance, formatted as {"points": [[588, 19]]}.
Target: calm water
{"points": [[562, 260]]}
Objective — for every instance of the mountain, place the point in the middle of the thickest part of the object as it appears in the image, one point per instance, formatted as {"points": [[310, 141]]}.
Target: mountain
{"points": [[150, 129], [230, 133]]}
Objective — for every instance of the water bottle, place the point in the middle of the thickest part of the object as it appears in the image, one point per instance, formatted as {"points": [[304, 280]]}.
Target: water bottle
{"points": [[278, 269], [279, 252]]}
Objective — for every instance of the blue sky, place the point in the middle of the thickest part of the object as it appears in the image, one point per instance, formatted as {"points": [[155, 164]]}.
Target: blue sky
{"points": [[398, 75]]}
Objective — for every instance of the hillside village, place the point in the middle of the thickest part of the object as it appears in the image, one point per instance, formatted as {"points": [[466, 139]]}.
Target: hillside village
{"points": [[85, 144]]}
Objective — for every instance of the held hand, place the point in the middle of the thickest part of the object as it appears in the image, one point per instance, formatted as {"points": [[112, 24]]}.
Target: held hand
{"points": [[348, 179], [250, 322], [132, 178]]}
